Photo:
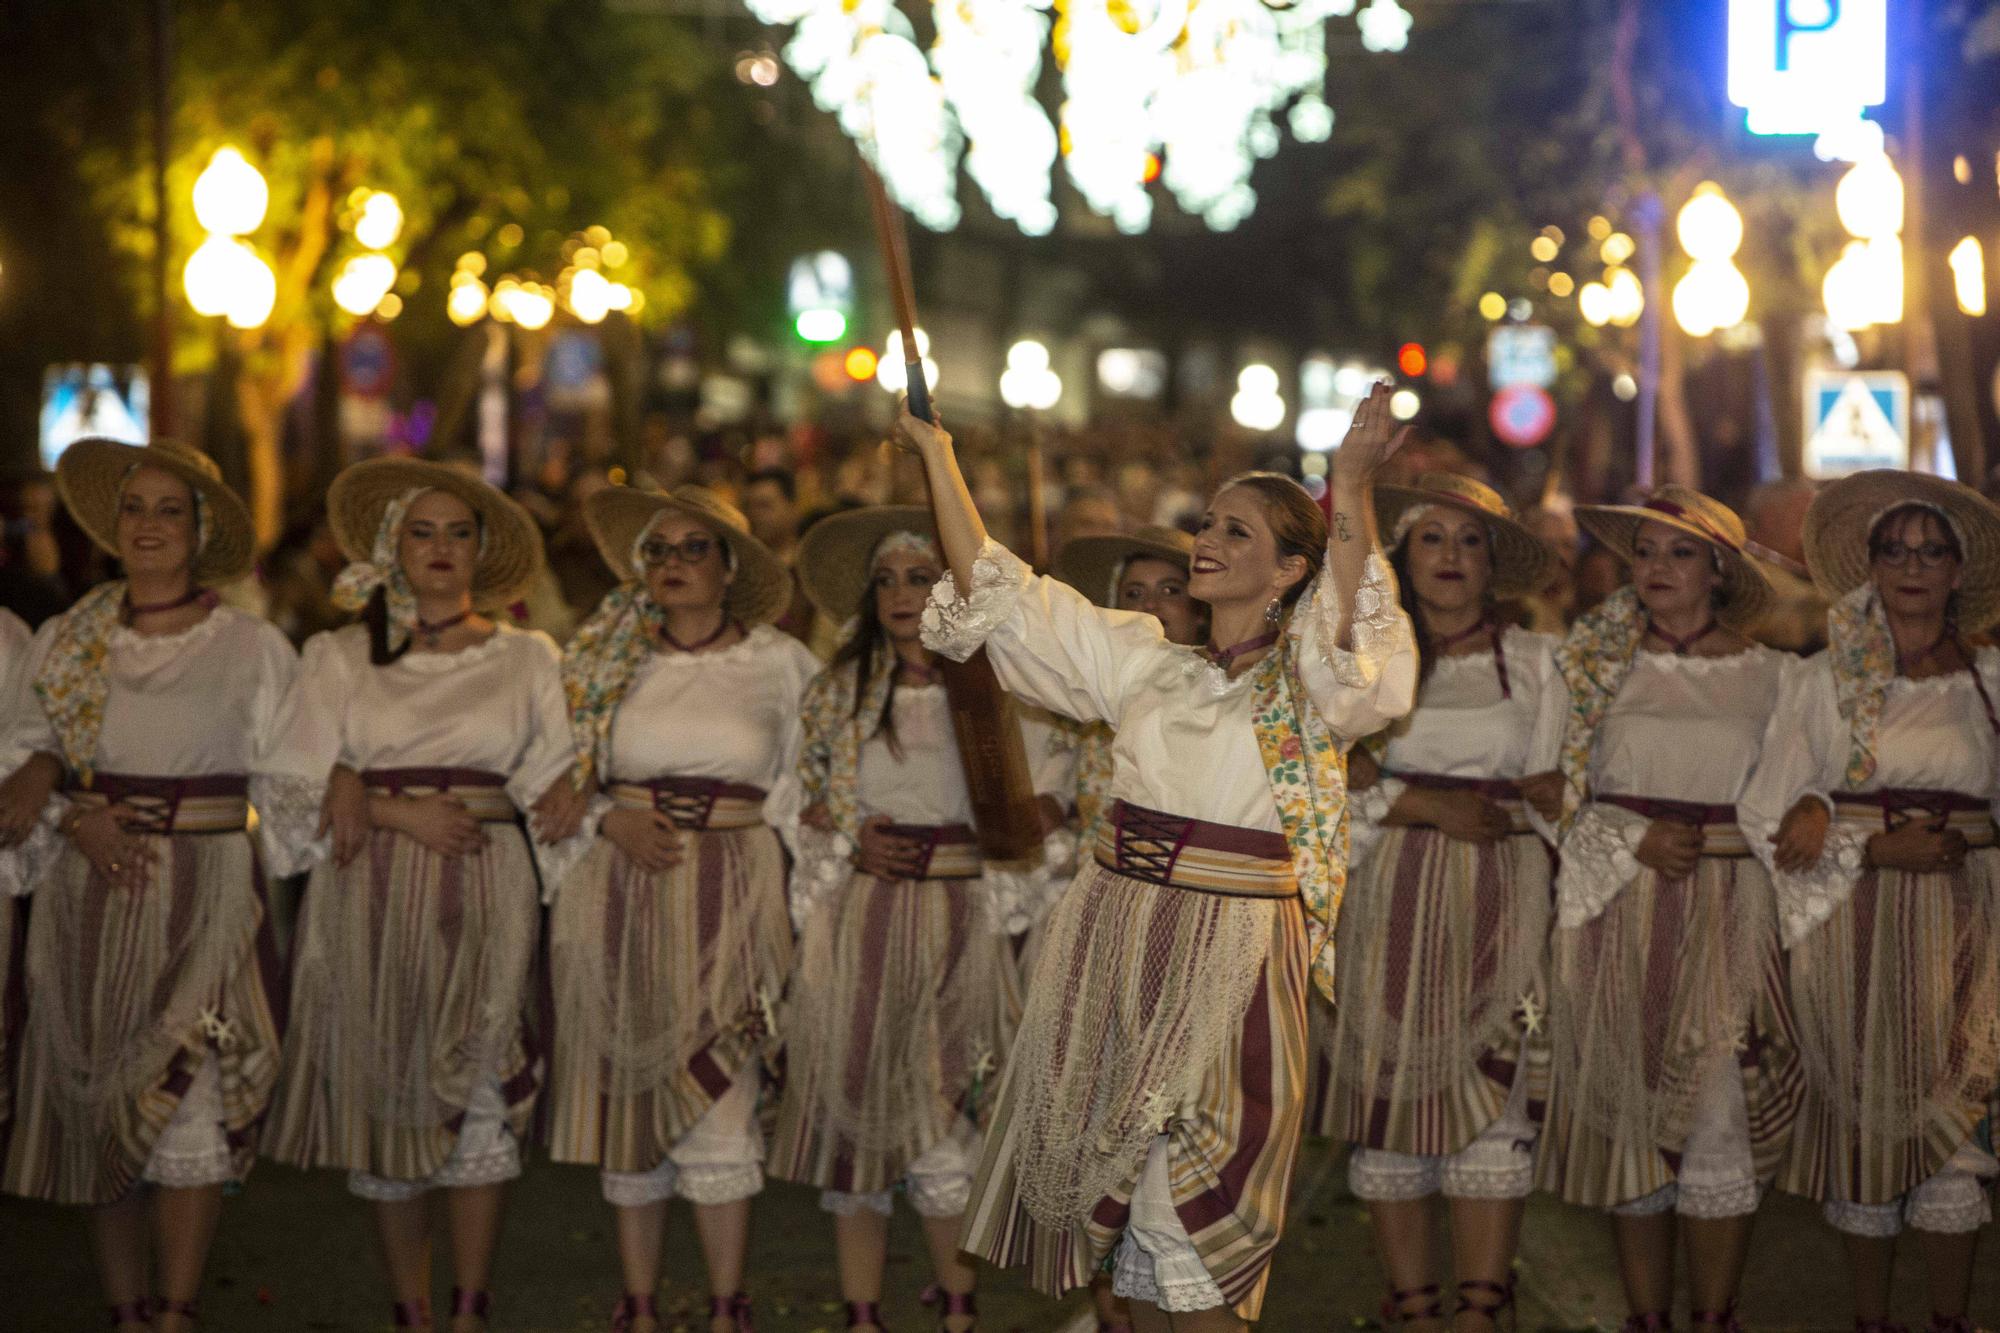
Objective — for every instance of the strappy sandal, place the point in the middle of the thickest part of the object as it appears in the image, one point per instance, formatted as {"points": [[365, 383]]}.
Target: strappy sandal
{"points": [[1394, 1313], [952, 1303], [188, 1310], [865, 1312], [735, 1308], [411, 1314], [132, 1312], [1653, 1321], [631, 1307], [474, 1303], [1473, 1287], [1723, 1320], [1956, 1323]]}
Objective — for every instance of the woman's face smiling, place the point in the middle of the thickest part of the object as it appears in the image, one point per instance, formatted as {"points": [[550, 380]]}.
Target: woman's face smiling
{"points": [[1236, 553], [157, 523]]}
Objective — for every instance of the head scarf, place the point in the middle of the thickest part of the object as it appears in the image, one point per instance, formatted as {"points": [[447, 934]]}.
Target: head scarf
{"points": [[384, 569], [74, 679], [1594, 659]]}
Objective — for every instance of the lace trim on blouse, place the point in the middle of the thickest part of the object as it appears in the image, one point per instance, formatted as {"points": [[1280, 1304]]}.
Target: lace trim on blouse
{"points": [[288, 812], [956, 626], [1598, 860]]}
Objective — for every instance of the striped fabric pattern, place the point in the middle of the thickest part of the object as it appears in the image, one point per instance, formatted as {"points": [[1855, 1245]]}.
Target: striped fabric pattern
{"points": [[411, 985], [659, 945], [138, 987], [1230, 1150], [1898, 1000], [1193, 854]]}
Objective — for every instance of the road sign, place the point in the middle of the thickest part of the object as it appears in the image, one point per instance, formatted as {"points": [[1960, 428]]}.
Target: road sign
{"points": [[1855, 420], [367, 362], [1522, 416], [1806, 66], [1521, 354]]}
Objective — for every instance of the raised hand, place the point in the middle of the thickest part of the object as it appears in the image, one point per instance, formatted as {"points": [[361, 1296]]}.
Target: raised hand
{"points": [[1373, 438]]}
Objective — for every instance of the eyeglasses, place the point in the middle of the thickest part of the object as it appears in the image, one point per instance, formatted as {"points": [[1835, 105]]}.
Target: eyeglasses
{"points": [[1930, 555], [691, 550]]}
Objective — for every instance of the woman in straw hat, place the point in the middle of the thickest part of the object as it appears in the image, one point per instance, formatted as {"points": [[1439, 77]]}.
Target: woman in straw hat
{"points": [[904, 1001], [1151, 1112], [1874, 809], [1443, 938], [1674, 1075], [671, 942], [1144, 571], [427, 726], [150, 1050]]}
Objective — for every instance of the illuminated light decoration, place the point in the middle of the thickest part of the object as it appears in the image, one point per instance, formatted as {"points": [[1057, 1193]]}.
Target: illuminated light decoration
{"points": [[392, 306], [1594, 304], [471, 262], [532, 306], [1714, 294], [1132, 372], [255, 295], [1028, 382], [1968, 275], [615, 253], [1617, 248], [381, 221], [1869, 199], [1321, 429], [1624, 388], [892, 369], [1628, 298], [1521, 308], [1850, 141], [622, 298], [1864, 287], [1561, 284], [1493, 306], [1709, 226], [1257, 405], [860, 364], [362, 283], [230, 196], [589, 297], [1599, 227], [820, 326], [1543, 249], [1412, 360], [1189, 91], [212, 273], [1404, 404], [1807, 66], [467, 302]]}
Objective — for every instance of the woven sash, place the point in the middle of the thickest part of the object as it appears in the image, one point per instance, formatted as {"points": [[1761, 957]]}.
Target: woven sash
{"points": [[1503, 792], [483, 794], [214, 803], [1970, 816], [1719, 834], [694, 803], [1193, 854]]}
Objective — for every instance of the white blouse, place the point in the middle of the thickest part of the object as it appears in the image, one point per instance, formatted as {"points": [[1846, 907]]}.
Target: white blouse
{"points": [[14, 639], [1681, 729], [1463, 726], [731, 715], [1185, 742], [1934, 735], [192, 704], [497, 706]]}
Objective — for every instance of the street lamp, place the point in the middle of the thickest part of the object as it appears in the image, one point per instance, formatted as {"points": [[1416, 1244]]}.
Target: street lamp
{"points": [[1028, 382], [230, 195], [1714, 294], [1256, 404]]}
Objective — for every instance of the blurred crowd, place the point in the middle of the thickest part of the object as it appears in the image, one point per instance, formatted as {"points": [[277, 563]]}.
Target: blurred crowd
{"points": [[1096, 481]]}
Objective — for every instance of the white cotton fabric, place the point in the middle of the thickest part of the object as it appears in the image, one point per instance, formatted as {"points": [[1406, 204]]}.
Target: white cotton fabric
{"points": [[15, 636], [1681, 728], [1185, 742], [497, 706], [486, 1153], [1953, 1201], [1933, 734], [720, 1160], [731, 715], [193, 1151], [1498, 1164], [938, 1183], [1156, 1261], [1718, 1177]]}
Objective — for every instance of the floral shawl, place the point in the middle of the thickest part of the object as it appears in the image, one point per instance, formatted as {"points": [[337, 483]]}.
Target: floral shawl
{"points": [[598, 666], [832, 733], [383, 570], [1093, 777], [75, 677], [1863, 655], [1594, 660], [1307, 769]]}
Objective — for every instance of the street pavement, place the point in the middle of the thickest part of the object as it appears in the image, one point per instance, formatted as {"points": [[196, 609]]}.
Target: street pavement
{"points": [[296, 1252]]}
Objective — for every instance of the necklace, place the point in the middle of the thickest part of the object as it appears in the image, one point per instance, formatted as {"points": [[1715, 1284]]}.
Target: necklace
{"points": [[1680, 646], [1223, 657], [192, 596], [1906, 663], [919, 673], [699, 644], [431, 631], [1438, 645]]}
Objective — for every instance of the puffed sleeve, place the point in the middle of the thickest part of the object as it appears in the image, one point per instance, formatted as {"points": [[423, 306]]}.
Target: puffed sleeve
{"points": [[1362, 689], [25, 731], [548, 750], [1804, 754], [1551, 717], [277, 672], [305, 739], [1048, 643], [796, 667]]}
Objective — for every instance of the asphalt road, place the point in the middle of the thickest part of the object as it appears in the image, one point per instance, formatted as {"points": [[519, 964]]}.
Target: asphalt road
{"points": [[296, 1252]]}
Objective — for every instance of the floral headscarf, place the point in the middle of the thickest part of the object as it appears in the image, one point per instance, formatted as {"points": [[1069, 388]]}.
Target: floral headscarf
{"points": [[74, 679], [382, 569], [1594, 659]]}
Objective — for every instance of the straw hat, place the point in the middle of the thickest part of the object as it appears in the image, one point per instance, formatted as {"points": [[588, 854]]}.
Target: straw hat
{"points": [[511, 549], [1746, 589], [1843, 515], [91, 474], [1522, 562], [1092, 565], [617, 515], [834, 554]]}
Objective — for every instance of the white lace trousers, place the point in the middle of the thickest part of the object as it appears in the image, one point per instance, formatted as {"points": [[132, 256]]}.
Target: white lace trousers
{"points": [[1953, 1201], [1156, 1261], [192, 1150], [1718, 1176], [1499, 1164], [939, 1182], [719, 1160], [486, 1154]]}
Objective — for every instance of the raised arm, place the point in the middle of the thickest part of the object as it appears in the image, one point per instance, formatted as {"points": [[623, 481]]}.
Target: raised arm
{"points": [[1351, 537], [960, 529]]}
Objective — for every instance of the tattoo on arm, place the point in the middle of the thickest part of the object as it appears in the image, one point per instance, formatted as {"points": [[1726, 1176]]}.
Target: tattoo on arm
{"points": [[1340, 526]]}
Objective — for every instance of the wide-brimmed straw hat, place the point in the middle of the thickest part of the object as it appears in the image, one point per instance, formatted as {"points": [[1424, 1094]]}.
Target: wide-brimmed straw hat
{"points": [[834, 554], [1522, 562], [1746, 591], [510, 543], [1843, 516], [617, 515], [91, 475], [1093, 565]]}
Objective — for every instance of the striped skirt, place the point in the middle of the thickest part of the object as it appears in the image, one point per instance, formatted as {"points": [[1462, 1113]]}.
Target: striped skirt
{"points": [[132, 992], [1644, 997], [902, 1007], [13, 1010], [666, 986], [1898, 1002], [1171, 992], [1443, 948], [410, 989]]}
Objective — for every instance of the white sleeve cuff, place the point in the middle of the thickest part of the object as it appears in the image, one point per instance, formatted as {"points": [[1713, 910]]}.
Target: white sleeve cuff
{"points": [[956, 626], [1598, 861]]}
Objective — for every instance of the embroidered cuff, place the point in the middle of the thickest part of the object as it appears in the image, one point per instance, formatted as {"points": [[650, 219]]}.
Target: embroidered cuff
{"points": [[956, 626], [824, 862], [1366, 810], [288, 811], [1598, 861], [1379, 630], [1808, 897]]}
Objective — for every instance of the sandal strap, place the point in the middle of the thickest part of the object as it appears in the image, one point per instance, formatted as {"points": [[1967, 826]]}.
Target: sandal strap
{"points": [[957, 1302], [1392, 1306], [632, 1306], [470, 1302], [1479, 1286], [1725, 1318], [187, 1309], [131, 1312], [1653, 1321], [411, 1314], [736, 1308], [864, 1312]]}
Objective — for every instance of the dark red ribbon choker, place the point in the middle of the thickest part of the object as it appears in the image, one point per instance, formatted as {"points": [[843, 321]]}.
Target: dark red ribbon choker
{"points": [[430, 631], [1223, 657], [192, 596], [667, 636], [1680, 646]]}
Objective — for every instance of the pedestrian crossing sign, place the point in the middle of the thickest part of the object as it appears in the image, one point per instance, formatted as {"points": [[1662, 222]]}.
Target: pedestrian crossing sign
{"points": [[1856, 420]]}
